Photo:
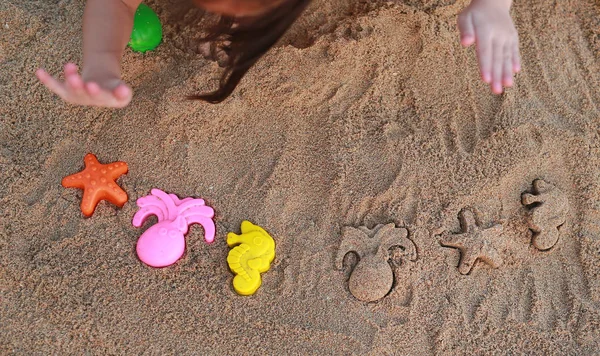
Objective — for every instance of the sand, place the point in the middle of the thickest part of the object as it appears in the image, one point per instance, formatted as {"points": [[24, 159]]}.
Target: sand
{"points": [[366, 113]]}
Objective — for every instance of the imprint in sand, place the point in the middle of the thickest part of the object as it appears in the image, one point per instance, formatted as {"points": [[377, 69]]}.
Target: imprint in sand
{"points": [[372, 278], [474, 242], [548, 207]]}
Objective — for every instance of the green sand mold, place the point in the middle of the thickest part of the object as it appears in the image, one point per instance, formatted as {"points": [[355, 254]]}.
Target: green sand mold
{"points": [[147, 30]]}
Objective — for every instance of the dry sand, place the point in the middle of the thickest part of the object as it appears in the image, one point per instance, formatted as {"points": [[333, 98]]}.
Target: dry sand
{"points": [[366, 113]]}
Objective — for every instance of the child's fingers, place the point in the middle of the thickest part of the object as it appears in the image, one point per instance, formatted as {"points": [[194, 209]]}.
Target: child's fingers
{"points": [[117, 98], [41, 74], [516, 58], [122, 92], [51, 83], [74, 83], [484, 55], [122, 95], [498, 53], [76, 91], [465, 27], [71, 68], [118, 101], [507, 70], [93, 89], [97, 95]]}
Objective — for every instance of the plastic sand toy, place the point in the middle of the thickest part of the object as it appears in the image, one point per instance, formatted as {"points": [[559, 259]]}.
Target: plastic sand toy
{"points": [[98, 183], [147, 30], [252, 255], [164, 243]]}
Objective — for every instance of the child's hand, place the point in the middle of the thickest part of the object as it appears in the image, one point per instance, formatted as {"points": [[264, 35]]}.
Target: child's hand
{"points": [[488, 23], [111, 93]]}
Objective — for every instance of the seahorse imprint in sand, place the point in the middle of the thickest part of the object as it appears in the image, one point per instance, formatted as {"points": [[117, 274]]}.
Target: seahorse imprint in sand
{"points": [[548, 209], [372, 278]]}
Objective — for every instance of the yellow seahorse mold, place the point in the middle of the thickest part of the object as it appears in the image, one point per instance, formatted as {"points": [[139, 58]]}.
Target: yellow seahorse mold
{"points": [[252, 256]]}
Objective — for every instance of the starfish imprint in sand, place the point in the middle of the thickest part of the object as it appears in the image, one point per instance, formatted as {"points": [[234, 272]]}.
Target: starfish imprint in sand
{"points": [[474, 242]]}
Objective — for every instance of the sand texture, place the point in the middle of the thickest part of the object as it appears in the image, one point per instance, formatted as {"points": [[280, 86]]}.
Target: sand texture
{"points": [[367, 113]]}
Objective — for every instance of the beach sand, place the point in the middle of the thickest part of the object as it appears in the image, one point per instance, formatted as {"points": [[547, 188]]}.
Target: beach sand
{"points": [[365, 113]]}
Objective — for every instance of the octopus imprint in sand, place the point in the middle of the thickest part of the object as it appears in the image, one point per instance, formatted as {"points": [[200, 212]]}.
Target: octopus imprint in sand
{"points": [[548, 209], [474, 242], [372, 278]]}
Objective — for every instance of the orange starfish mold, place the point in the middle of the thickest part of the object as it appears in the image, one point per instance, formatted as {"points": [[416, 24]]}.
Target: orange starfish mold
{"points": [[98, 183]]}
